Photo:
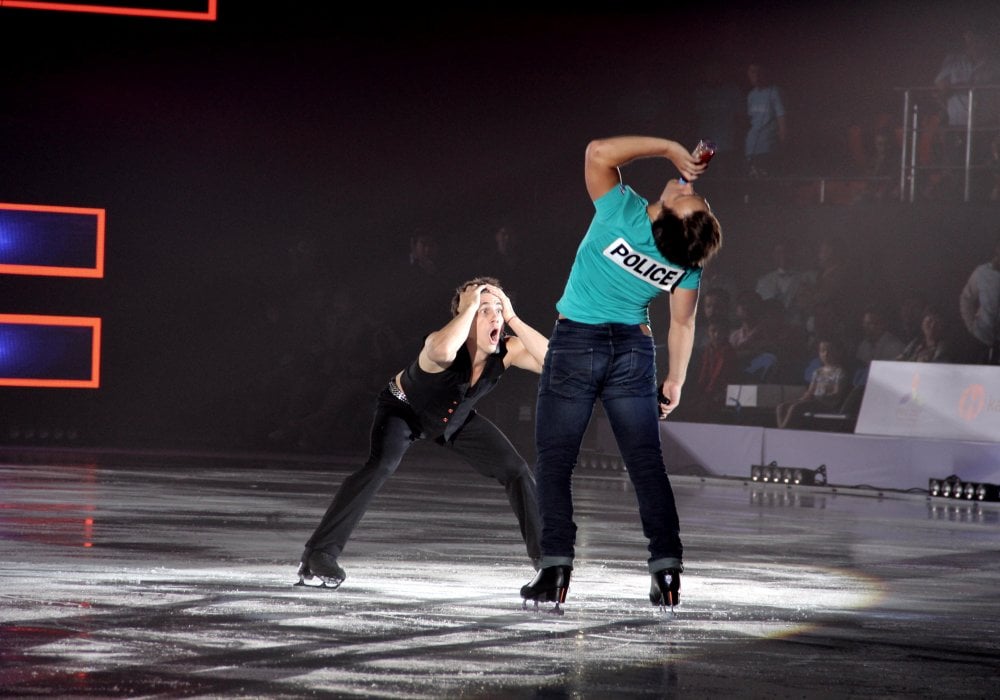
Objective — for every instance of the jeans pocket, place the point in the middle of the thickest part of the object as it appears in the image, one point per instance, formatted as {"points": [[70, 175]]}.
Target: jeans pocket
{"points": [[632, 374], [642, 365], [570, 372]]}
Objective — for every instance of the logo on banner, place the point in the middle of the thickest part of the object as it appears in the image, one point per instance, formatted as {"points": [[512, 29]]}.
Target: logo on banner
{"points": [[972, 402], [911, 405]]}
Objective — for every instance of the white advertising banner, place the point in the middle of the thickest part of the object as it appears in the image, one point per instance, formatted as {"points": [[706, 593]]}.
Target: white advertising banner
{"points": [[931, 399]]}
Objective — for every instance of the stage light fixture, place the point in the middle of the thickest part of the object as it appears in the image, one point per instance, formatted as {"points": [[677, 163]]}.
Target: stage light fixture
{"points": [[773, 473], [953, 487]]}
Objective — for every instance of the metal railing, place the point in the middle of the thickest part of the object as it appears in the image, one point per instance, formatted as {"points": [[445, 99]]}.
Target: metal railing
{"points": [[919, 105]]}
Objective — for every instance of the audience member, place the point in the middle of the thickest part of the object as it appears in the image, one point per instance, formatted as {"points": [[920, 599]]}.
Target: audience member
{"points": [[715, 367], [826, 322], [877, 341], [830, 287], [764, 342], [784, 282], [826, 391], [910, 317], [715, 305], [768, 132], [979, 306], [993, 167], [874, 150], [719, 108], [933, 344], [749, 336], [974, 66], [421, 280], [504, 258]]}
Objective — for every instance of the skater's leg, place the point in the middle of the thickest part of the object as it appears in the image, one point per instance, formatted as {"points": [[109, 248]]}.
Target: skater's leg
{"points": [[484, 446], [391, 435], [629, 399], [567, 391]]}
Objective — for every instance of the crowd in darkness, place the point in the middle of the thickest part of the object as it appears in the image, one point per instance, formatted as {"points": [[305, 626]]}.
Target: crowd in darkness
{"points": [[797, 322], [334, 340], [800, 312]]}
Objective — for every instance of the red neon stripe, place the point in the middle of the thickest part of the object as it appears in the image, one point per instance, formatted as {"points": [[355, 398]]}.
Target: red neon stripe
{"points": [[209, 14]]}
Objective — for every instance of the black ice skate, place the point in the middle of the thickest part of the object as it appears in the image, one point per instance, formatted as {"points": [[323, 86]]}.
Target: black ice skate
{"points": [[549, 585], [321, 570], [666, 588]]}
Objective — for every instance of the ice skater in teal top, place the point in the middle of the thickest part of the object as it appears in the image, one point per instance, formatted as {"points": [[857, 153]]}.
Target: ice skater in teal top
{"points": [[602, 348]]}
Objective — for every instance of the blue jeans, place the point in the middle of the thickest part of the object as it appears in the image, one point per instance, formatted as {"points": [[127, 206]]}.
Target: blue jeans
{"points": [[615, 363]]}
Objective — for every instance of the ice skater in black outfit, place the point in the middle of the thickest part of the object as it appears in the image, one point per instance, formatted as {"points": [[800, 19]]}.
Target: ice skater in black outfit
{"points": [[434, 398]]}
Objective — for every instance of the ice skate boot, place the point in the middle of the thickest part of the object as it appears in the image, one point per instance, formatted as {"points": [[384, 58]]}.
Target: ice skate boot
{"points": [[549, 585], [666, 588], [321, 570]]}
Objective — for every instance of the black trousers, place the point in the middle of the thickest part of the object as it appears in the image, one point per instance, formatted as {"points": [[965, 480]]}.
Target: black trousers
{"points": [[394, 429]]}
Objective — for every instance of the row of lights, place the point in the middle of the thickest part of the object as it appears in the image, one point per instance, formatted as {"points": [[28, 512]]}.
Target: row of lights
{"points": [[953, 487], [601, 461], [793, 476]]}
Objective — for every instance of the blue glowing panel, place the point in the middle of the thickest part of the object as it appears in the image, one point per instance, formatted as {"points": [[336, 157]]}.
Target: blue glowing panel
{"points": [[51, 240], [53, 351]]}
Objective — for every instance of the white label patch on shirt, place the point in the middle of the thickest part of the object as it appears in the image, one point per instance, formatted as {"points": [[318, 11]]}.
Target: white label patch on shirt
{"points": [[663, 277]]}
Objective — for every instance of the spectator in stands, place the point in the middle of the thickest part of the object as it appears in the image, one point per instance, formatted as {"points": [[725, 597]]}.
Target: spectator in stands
{"points": [[910, 316], [993, 166], [766, 344], [421, 276], [749, 338], [877, 341], [784, 282], [826, 390], [933, 344], [768, 132], [504, 258], [715, 367], [829, 288], [979, 306], [976, 65], [719, 105], [714, 305], [874, 153]]}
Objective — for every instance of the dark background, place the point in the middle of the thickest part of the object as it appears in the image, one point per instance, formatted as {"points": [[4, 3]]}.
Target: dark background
{"points": [[273, 160]]}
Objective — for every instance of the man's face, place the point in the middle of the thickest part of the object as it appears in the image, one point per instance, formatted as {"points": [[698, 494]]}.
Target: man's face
{"points": [[681, 199], [489, 323]]}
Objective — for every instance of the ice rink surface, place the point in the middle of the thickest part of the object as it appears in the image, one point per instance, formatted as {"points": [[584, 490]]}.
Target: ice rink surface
{"points": [[158, 575]]}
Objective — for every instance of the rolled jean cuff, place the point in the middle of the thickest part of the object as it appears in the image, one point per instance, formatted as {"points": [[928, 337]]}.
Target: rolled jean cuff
{"points": [[665, 563], [546, 562]]}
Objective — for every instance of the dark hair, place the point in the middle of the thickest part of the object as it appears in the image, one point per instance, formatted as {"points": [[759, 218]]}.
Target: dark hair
{"points": [[691, 241], [474, 282]]}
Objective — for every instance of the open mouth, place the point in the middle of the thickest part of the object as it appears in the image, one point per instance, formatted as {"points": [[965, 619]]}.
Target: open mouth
{"points": [[495, 336]]}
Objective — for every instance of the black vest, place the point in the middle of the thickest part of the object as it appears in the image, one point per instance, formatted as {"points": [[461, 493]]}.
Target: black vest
{"points": [[443, 401]]}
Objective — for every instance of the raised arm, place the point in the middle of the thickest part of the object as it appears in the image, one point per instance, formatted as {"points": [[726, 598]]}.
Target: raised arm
{"points": [[680, 341], [527, 349], [441, 346], [605, 156]]}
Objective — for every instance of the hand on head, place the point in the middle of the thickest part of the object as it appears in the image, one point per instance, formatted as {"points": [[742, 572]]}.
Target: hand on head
{"points": [[508, 309]]}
